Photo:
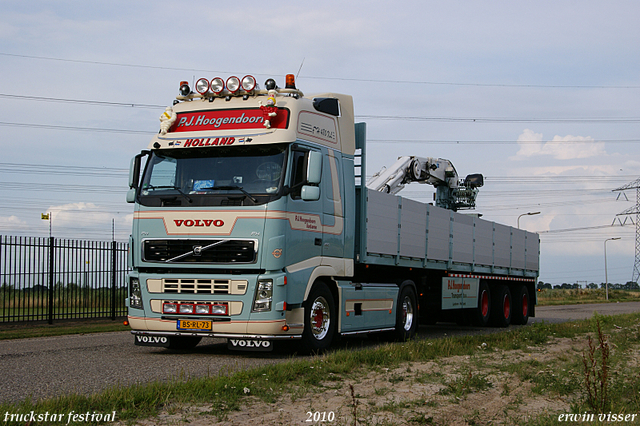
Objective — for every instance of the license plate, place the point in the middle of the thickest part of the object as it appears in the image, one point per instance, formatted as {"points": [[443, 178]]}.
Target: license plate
{"points": [[194, 325], [249, 345]]}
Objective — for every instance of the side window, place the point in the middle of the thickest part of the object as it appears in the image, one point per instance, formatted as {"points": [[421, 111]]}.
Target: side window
{"points": [[298, 172]]}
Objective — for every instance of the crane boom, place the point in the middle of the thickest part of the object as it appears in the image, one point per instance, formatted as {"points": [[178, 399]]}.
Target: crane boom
{"points": [[451, 192]]}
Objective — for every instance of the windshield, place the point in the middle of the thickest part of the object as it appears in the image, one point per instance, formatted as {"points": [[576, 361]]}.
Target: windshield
{"points": [[213, 177]]}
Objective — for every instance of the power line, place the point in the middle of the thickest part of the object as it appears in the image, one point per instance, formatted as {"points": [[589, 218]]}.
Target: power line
{"points": [[501, 119], [80, 101], [360, 80]]}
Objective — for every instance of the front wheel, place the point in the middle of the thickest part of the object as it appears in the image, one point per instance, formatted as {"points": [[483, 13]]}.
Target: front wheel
{"points": [[320, 319], [406, 314]]}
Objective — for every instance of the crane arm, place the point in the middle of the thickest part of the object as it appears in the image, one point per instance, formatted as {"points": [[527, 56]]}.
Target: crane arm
{"points": [[451, 192]]}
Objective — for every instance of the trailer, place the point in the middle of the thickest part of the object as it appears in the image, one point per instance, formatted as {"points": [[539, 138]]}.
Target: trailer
{"points": [[253, 221]]}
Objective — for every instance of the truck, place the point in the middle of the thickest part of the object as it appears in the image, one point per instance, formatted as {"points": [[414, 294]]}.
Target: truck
{"points": [[254, 222]]}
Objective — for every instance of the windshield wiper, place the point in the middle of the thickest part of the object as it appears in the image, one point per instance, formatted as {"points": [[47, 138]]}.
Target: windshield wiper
{"points": [[171, 187], [231, 187]]}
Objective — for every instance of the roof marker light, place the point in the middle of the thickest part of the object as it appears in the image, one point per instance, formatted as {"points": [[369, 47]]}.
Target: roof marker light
{"points": [[217, 85], [248, 83], [233, 84], [202, 86], [290, 81]]}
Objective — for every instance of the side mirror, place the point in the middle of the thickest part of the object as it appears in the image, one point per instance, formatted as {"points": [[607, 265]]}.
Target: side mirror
{"points": [[314, 168], [134, 169], [131, 195], [310, 193]]}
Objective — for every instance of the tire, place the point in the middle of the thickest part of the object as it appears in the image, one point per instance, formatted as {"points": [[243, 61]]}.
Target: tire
{"points": [[482, 314], [406, 314], [502, 306], [183, 342], [521, 306], [320, 319]]}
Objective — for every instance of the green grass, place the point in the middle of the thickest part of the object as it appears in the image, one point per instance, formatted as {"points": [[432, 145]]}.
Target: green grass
{"points": [[225, 393], [580, 296]]}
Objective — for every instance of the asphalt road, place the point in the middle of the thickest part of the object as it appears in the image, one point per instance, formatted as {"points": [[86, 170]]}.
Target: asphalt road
{"points": [[51, 366]]}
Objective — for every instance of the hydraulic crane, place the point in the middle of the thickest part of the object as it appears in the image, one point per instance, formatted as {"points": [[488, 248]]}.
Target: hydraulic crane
{"points": [[451, 192]]}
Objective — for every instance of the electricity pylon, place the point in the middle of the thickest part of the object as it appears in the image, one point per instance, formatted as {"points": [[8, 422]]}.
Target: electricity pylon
{"points": [[629, 215]]}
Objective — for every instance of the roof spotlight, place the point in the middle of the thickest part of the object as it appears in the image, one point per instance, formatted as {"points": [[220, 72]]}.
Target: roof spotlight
{"points": [[270, 84], [217, 85], [184, 88], [233, 84], [248, 83], [202, 86]]}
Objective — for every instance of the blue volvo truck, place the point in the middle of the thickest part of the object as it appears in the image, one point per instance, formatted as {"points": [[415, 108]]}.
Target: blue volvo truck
{"points": [[253, 222]]}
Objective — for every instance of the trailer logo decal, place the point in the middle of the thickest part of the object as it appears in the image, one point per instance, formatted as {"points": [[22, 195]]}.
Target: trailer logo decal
{"points": [[230, 119]]}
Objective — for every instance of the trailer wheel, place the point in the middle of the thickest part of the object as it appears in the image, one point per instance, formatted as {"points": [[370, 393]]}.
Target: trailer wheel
{"points": [[319, 319], [406, 314], [482, 313], [183, 342], [501, 302], [521, 306]]}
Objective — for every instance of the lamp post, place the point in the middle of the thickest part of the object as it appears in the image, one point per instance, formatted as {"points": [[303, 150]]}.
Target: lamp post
{"points": [[526, 214], [606, 278]]}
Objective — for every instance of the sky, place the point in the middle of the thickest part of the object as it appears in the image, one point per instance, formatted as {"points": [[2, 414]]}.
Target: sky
{"points": [[541, 97]]}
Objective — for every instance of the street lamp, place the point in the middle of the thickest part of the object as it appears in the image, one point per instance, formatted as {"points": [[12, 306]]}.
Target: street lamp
{"points": [[526, 214], [606, 278]]}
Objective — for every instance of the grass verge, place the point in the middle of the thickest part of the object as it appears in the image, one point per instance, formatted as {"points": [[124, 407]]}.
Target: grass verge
{"points": [[223, 394], [575, 296]]}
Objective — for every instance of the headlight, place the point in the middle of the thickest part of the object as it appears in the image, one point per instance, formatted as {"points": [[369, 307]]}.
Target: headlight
{"points": [[263, 297], [170, 308], [135, 295]]}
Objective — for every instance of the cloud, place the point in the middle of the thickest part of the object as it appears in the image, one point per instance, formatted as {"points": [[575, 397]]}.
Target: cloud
{"points": [[560, 147]]}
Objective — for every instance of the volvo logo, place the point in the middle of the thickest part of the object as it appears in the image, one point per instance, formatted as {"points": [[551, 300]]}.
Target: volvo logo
{"points": [[197, 251]]}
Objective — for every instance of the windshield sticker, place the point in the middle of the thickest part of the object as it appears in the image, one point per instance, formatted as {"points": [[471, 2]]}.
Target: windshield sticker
{"points": [[201, 185], [249, 118]]}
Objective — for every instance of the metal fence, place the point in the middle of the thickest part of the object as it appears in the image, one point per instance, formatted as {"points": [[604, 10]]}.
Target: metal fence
{"points": [[49, 278]]}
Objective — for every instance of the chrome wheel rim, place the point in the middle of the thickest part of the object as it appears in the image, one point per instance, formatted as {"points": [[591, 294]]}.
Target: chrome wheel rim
{"points": [[320, 318], [407, 314]]}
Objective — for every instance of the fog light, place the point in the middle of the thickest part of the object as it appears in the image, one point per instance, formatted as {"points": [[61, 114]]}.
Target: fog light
{"points": [[202, 309], [185, 309], [219, 309], [170, 308]]}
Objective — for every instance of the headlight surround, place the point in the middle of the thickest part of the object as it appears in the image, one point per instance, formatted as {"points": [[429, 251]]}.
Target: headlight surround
{"points": [[264, 296], [135, 294]]}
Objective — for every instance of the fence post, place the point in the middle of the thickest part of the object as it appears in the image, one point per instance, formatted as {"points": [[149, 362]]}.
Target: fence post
{"points": [[51, 256], [113, 280]]}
